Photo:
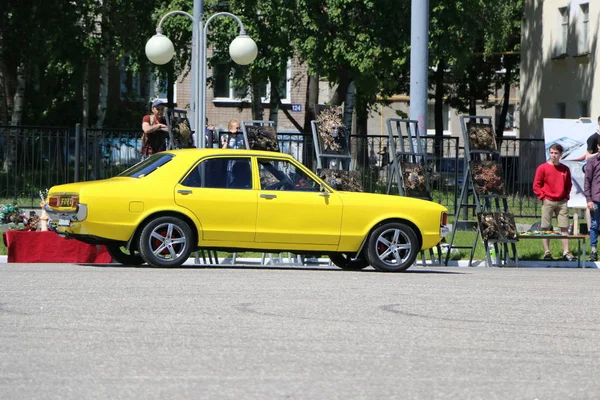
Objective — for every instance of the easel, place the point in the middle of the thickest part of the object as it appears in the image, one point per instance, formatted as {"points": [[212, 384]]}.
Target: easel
{"points": [[474, 155], [174, 117], [332, 160], [410, 150]]}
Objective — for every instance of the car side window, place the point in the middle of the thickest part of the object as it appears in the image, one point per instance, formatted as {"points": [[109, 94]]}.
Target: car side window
{"points": [[221, 173], [283, 175]]}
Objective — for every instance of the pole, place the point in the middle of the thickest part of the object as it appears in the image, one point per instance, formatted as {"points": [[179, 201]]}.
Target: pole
{"points": [[419, 41], [201, 72], [194, 97]]}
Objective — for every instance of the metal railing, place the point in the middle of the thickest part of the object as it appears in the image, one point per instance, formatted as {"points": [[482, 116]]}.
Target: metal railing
{"points": [[33, 159]]}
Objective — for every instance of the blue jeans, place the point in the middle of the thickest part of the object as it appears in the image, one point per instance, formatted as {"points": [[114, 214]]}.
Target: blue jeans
{"points": [[595, 223]]}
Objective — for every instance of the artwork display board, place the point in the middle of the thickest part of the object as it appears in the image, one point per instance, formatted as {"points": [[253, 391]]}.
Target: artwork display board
{"points": [[331, 139], [180, 133], [408, 159], [497, 227], [260, 135], [484, 189], [487, 177]]}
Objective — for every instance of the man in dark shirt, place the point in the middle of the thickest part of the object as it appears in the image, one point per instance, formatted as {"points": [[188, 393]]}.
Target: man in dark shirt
{"points": [[592, 198], [592, 142]]}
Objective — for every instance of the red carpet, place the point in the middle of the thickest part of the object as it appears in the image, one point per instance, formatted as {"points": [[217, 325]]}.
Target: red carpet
{"points": [[48, 247]]}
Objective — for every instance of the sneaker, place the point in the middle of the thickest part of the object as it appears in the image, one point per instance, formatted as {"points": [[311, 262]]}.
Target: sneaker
{"points": [[548, 257], [569, 257], [593, 256]]}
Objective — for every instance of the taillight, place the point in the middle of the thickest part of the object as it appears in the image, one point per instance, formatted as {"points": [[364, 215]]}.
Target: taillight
{"points": [[54, 201], [75, 201], [444, 219]]}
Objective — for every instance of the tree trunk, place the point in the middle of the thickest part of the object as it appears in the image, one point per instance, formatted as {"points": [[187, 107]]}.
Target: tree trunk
{"points": [[508, 65], [274, 101], [103, 25], [102, 92], [438, 80], [310, 114], [256, 101], [19, 98], [349, 103], [341, 90], [3, 102], [362, 148], [85, 96]]}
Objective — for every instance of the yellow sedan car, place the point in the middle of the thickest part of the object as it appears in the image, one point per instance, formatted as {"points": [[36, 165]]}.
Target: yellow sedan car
{"points": [[162, 209]]}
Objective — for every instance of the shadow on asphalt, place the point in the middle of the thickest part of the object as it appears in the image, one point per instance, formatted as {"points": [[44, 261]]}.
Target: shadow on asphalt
{"points": [[271, 267]]}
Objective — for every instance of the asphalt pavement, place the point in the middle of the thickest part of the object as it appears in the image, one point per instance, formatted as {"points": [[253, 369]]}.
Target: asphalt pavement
{"points": [[252, 332]]}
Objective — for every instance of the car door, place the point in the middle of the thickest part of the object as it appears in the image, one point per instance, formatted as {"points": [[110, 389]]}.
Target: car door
{"points": [[225, 205], [293, 209]]}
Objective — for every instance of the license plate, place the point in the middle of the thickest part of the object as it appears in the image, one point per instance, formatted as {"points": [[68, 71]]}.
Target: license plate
{"points": [[64, 222]]}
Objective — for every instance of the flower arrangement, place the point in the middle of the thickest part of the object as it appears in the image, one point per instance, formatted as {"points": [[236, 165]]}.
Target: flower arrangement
{"points": [[487, 176], [332, 131], [481, 137], [13, 217], [497, 226], [413, 179], [347, 181], [262, 138]]}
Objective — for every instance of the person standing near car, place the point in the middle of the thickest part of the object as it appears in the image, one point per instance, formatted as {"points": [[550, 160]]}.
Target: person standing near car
{"points": [[155, 130], [234, 139], [591, 190], [552, 185]]}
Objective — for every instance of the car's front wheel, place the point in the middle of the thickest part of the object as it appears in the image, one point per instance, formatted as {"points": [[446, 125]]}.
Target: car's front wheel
{"points": [[166, 242], [123, 256], [392, 247], [346, 262]]}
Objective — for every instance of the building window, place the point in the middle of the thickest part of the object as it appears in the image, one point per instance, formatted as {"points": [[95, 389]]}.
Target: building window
{"points": [[224, 87], [431, 119], [583, 109], [509, 123], [583, 36], [225, 90], [563, 31], [561, 110]]}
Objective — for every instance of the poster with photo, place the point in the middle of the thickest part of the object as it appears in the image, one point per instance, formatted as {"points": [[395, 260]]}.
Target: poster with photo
{"points": [[572, 134]]}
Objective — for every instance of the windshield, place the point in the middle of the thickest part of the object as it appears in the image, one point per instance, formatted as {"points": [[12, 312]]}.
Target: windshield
{"points": [[147, 166]]}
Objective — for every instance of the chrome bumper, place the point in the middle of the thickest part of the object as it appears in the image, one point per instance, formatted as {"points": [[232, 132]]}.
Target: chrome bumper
{"points": [[72, 216]]}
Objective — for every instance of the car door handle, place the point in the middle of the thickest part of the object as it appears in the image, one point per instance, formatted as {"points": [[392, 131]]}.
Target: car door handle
{"points": [[268, 196], [183, 191]]}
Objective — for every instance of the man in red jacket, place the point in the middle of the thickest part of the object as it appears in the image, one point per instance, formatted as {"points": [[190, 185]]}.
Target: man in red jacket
{"points": [[552, 185]]}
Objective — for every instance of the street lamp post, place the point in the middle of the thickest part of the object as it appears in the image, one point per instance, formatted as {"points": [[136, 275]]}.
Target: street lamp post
{"points": [[160, 50]]}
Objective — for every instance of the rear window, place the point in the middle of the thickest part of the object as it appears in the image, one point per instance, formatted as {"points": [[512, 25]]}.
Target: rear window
{"points": [[148, 166]]}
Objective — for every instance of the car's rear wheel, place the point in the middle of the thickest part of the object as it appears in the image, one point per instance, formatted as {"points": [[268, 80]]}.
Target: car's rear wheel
{"points": [[346, 262], [392, 247], [123, 256], [166, 242]]}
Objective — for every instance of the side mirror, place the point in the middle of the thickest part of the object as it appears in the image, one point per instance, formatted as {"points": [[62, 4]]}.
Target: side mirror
{"points": [[324, 192]]}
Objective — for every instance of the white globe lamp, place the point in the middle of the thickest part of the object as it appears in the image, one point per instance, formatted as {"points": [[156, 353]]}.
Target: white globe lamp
{"points": [[159, 49], [243, 50]]}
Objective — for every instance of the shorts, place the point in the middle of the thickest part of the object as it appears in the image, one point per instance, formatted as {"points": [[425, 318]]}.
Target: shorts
{"points": [[554, 209]]}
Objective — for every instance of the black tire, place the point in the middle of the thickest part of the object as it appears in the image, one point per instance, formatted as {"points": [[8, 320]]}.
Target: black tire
{"points": [[345, 262], [166, 242], [122, 256], [392, 247]]}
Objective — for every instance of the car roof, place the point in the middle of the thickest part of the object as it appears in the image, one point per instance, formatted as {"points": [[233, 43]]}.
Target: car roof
{"points": [[199, 152]]}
